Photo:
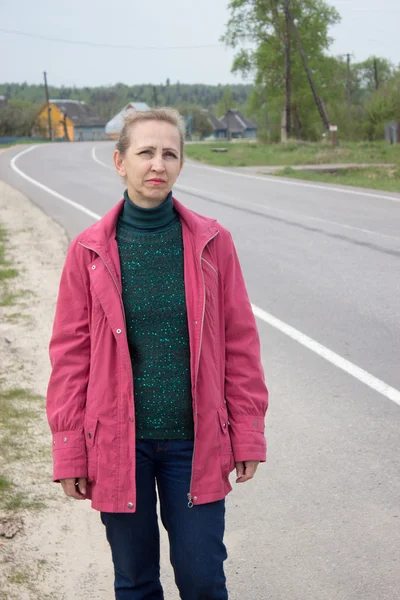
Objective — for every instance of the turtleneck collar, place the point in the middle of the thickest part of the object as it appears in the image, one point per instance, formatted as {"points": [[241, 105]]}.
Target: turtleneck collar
{"points": [[148, 219]]}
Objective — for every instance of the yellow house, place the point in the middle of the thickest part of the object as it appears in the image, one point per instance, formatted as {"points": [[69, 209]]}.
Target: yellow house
{"points": [[71, 120], [57, 123]]}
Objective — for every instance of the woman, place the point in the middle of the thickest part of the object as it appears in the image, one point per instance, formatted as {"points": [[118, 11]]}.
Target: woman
{"points": [[156, 373]]}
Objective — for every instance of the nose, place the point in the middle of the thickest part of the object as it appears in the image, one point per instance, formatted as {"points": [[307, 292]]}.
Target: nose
{"points": [[158, 163]]}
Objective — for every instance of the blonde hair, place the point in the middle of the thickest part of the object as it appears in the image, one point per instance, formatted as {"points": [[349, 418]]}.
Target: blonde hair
{"points": [[165, 114]]}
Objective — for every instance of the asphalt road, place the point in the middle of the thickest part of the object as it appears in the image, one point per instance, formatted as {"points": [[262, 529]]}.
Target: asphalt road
{"points": [[322, 264]]}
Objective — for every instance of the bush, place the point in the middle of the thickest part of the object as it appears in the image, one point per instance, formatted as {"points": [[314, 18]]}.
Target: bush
{"points": [[17, 119]]}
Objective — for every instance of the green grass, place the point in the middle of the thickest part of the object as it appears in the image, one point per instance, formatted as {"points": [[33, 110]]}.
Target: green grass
{"points": [[243, 154], [7, 273], [18, 409], [26, 581], [17, 317], [5, 484], [19, 577], [20, 501], [386, 179], [3, 240], [7, 298]]}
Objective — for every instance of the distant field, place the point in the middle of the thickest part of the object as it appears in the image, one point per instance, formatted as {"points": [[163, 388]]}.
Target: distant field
{"points": [[246, 154], [378, 178]]}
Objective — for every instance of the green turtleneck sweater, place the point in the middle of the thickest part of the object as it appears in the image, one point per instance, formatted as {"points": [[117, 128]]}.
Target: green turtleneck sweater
{"points": [[153, 293]]}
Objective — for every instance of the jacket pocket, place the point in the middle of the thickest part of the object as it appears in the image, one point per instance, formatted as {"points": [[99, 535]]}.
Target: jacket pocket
{"points": [[91, 427], [225, 453]]}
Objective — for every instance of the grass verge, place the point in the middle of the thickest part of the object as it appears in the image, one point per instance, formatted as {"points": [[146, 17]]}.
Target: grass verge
{"points": [[19, 407], [243, 154], [378, 178]]}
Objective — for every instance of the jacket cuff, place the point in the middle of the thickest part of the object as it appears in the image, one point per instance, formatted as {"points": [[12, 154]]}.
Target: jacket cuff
{"points": [[251, 452], [69, 455], [247, 437]]}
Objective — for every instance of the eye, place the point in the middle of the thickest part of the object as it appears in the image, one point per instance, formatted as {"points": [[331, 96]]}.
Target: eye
{"points": [[144, 152], [171, 154]]}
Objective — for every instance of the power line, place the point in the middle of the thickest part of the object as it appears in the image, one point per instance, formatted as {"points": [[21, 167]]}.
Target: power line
{"points": [[100, 45]]}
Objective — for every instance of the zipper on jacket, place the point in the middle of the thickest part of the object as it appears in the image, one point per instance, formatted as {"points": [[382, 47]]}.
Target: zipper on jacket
{"points": [[112, 277], [189, 496]]}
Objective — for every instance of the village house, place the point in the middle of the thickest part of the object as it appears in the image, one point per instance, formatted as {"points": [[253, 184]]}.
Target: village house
{"points": [[114, 126], [71, 120]]}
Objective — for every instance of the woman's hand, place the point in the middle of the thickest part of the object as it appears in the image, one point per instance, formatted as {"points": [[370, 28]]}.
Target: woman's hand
{"points": [[74, 488], [246, 470]]}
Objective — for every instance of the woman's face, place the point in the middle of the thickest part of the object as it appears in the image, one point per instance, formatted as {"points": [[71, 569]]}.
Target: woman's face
{"points": [[152, 162]]}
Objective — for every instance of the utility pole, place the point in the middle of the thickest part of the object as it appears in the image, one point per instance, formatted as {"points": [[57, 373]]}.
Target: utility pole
{"points": [[48, 106], [264, 98], [155, 97], [64, 121], [321, 109], [376, 74], [348, 95], [288, 70]]}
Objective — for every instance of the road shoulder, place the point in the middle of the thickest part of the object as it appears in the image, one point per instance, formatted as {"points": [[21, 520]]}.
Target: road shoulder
{"points": [[40, 559]]}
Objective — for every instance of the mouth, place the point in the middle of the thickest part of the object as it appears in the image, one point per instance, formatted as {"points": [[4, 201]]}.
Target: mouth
{"points": [[156, 181]]}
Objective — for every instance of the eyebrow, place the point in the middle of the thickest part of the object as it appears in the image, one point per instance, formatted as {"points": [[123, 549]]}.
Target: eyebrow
{"points": [[154, 148]]}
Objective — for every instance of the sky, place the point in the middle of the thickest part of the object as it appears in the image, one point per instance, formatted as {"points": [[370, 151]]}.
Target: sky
{"points": [[175, 39]]}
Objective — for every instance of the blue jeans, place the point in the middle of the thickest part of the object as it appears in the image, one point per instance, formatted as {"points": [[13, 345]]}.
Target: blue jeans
{"points": [[197, 551]]}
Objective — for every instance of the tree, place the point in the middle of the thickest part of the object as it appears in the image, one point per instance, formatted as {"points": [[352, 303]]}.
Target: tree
{"points": [[201, 126], [262, 24], [18, 119], [383, 106], [370, 75], [226, 103]]}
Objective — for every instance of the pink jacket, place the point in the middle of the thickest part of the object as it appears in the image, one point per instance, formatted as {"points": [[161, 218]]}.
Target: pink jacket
{"points": [[90, 401]]}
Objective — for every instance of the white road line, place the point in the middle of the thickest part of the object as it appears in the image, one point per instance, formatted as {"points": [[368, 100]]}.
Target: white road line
{"points": [[100, 162], [335, 359], [47, 189], [189, 190], [296, 183]]}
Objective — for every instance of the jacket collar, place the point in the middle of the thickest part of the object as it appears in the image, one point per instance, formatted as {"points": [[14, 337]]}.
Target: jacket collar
{"points": [[103, 231]]}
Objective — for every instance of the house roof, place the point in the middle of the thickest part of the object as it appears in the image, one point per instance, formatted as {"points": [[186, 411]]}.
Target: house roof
{"points": [[116, 123], [79, 112], [237, 121], [216, 124]]}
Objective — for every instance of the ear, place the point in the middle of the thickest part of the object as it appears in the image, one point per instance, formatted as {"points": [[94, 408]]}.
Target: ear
{"points": [[119, 163]]}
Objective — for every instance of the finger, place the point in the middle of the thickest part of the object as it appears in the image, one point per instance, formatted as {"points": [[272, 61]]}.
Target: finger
{"points": [[81, 487], [251, 468], [239, 469], [70, 487], [244, 478], [249, 471]]}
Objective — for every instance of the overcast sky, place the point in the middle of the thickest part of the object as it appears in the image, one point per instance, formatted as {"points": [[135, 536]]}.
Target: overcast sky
{"points": [[368, 27]]}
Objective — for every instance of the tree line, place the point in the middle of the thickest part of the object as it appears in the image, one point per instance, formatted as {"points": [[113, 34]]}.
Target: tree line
{"points": [[25, 101]]}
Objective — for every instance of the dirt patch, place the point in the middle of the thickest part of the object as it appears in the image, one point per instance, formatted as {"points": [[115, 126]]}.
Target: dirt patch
{"points": [[50, 546]]}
